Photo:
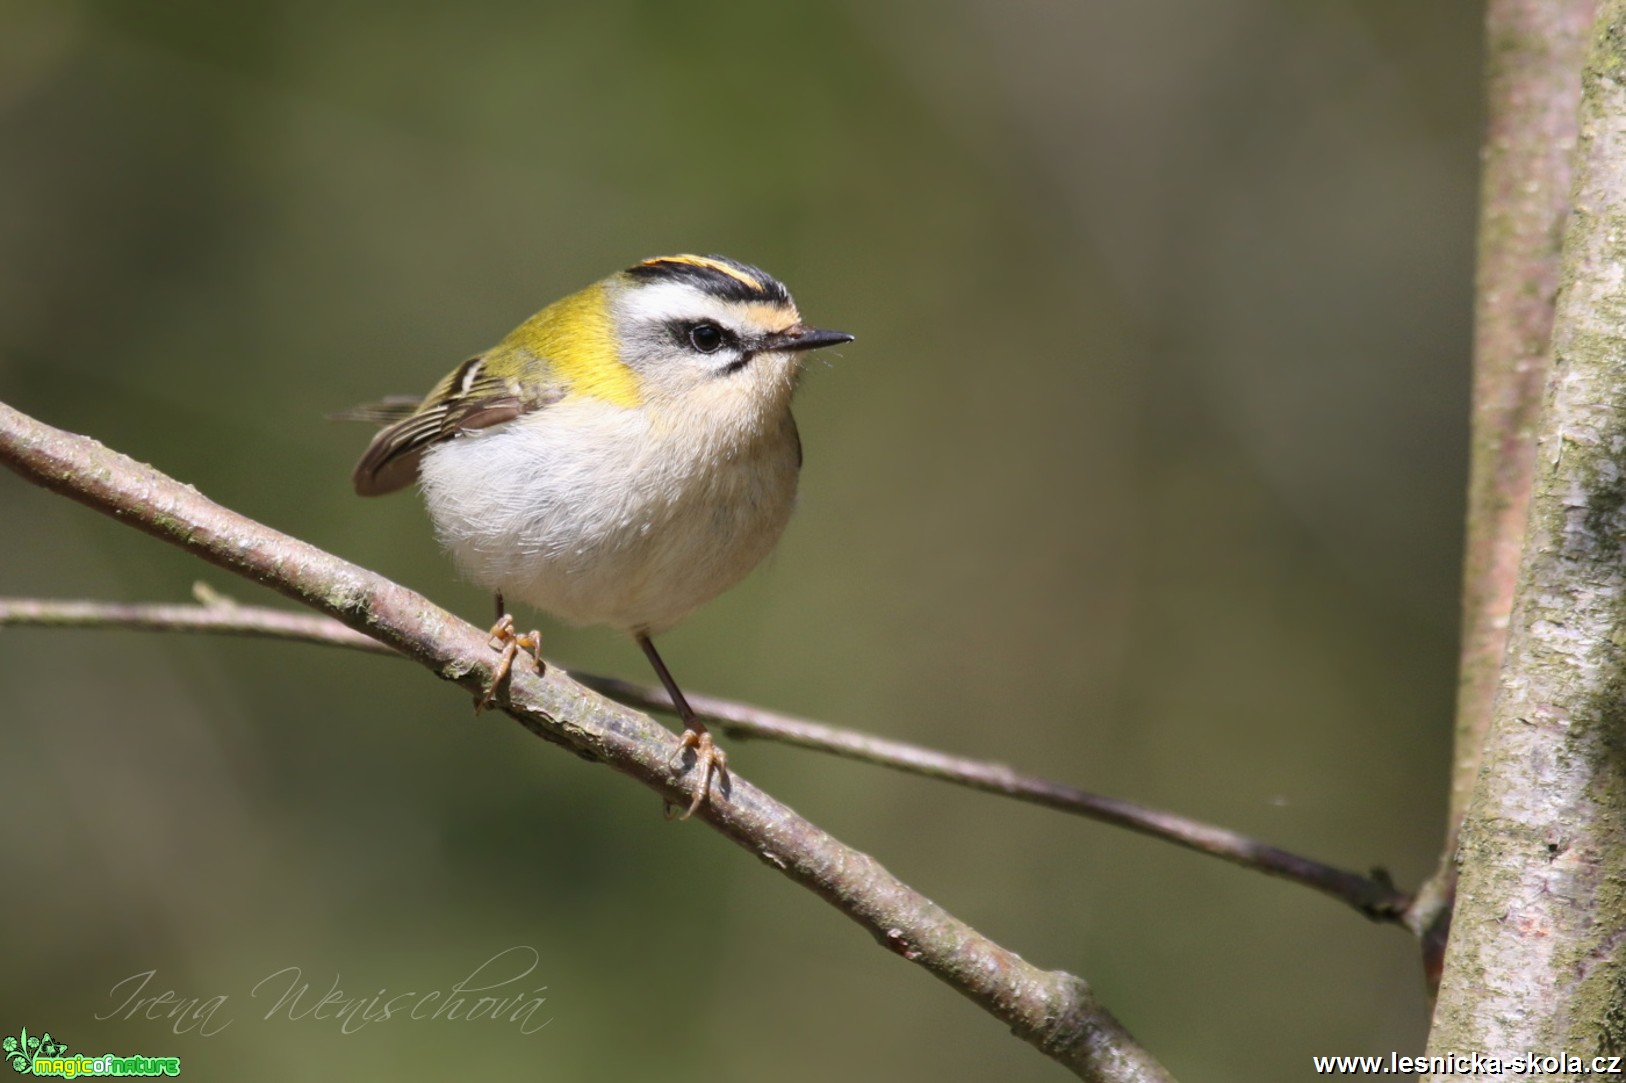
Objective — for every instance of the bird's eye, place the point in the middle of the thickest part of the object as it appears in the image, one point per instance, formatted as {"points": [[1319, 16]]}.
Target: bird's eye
{"points": [[706, 337]]}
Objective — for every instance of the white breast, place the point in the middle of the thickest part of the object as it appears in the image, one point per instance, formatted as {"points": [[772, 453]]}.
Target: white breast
{"points": [[595, 514]]}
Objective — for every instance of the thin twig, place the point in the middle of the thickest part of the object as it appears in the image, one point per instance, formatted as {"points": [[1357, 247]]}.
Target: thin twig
{"points": [[253, 621], [1054, 1011], [1373, 896]]}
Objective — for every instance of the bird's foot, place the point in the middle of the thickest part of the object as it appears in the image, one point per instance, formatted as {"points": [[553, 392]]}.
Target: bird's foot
{"points": [[709, 760], [504, 638]]}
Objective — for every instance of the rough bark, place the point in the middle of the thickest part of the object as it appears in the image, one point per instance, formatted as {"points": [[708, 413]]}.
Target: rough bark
{"points": [[1536, 952], [1533, 55], [1534, 50]]}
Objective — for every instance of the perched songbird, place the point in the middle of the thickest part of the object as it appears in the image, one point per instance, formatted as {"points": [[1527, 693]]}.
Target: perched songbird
{"points": [[622, 457]]}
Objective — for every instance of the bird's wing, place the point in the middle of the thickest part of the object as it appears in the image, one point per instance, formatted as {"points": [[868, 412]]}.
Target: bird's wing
{"points": [[469, 398]]}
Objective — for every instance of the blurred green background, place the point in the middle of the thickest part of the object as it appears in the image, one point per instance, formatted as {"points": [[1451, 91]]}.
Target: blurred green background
{"points": [[1145, 472]]}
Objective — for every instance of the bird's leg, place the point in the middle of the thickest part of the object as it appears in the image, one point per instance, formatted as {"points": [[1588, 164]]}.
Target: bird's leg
{"points": [[511, 643], [708, 758]]}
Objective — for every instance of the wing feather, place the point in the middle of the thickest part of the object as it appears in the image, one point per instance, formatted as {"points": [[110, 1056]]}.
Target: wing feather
{"points": [[466, 400]]}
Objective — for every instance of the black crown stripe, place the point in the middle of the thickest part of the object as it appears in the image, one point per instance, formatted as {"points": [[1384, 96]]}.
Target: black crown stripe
{"points": [[716, 275]]}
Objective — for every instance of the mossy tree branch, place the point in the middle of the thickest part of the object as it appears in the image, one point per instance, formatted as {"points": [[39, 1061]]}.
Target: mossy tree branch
{"points": [[1536, 959], [1534, 50], [1056, 1012]]}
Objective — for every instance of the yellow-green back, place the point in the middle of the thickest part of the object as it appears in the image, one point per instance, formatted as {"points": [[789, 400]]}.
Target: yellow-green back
{"points": [[573, 340]]}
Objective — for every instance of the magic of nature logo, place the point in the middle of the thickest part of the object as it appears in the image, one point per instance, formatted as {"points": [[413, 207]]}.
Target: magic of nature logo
{"points": [[43, 1055]]}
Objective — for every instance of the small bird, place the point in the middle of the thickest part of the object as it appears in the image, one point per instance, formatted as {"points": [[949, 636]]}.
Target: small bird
{"points": [[621, 458]]}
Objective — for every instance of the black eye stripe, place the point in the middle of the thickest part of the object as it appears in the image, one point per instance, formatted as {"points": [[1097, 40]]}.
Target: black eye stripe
{"points": [[704, 336]]}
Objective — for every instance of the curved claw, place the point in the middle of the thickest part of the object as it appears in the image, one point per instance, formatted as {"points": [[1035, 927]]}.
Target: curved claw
{"points": [[503, 636], [709, 760]]}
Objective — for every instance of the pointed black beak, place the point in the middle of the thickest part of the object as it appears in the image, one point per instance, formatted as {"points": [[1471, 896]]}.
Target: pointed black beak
{"points": [[805, 338]]}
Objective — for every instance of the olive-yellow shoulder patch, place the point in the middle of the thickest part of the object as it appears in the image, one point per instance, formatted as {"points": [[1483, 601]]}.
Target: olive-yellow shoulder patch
{"points": [[575, 336]]}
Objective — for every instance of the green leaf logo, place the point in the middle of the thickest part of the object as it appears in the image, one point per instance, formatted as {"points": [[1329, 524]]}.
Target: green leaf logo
{"points": [[21, 1050]]}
